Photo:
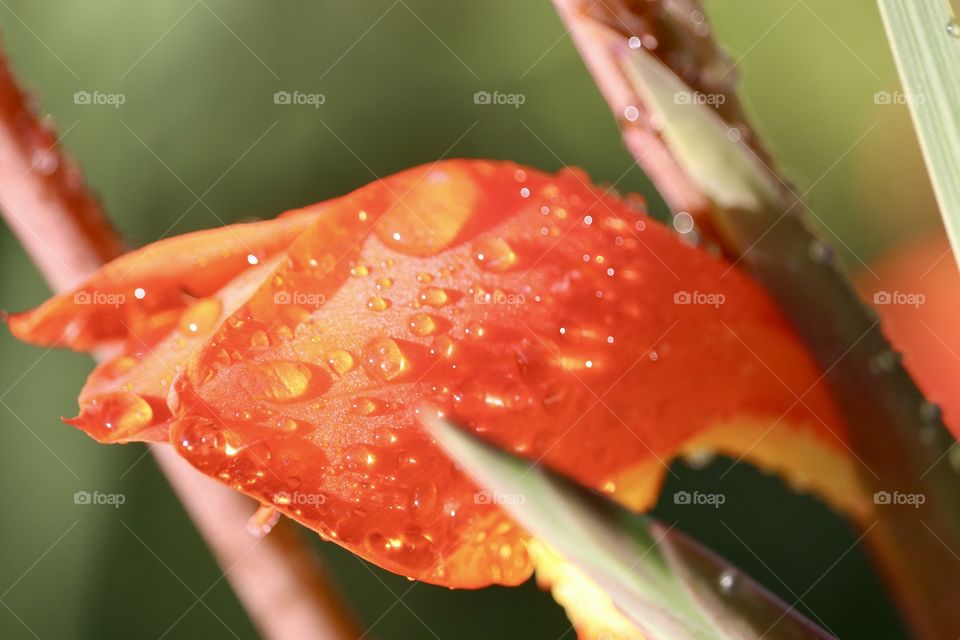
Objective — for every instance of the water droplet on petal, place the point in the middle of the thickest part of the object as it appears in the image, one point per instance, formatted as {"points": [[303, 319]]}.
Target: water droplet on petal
{"points": [[116, 415], [286, 381], [384, 358], [385, 437], [953, 29], [364, 406], [287, 424], [340, 361], [494, 254], [377, 303], [422, 324], [434, 297], [442, 346]]}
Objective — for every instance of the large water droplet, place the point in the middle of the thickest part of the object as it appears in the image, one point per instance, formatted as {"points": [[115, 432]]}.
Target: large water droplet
{"points": [[286, 381], [422, 324], [434, 297], [340, 361], [384, 358], [359, 457], [494, 254], [423, 502], [377, 303], [116, 415], [443, 346], [385, 437]]}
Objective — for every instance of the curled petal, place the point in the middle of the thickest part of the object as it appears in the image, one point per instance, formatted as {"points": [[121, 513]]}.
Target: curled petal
{"points": [[144, 291], [147, 312]]}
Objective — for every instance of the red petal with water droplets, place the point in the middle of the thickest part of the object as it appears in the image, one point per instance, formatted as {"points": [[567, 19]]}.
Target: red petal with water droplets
{"points": [[550, 317], [147, 311], [136, 292]]}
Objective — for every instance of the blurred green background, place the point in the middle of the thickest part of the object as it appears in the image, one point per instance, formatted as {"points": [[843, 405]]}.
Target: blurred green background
{"points": [[199, 121]]}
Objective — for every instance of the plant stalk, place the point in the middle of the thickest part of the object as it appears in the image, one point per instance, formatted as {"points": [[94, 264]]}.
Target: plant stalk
{"points": [[278, 579], [899, 437]]}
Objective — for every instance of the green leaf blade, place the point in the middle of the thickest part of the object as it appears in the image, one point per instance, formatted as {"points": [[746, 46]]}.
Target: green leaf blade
{"points": [[928, 59], [665, 583]]}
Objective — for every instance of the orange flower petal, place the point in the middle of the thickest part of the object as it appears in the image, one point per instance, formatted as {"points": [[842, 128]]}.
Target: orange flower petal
{"points": [[125, 398], [552, 318], [136, 292], [145, 314], [555, 320]]}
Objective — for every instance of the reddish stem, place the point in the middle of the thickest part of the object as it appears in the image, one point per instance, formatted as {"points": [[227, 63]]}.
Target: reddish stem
{"points": [[278, 578]]}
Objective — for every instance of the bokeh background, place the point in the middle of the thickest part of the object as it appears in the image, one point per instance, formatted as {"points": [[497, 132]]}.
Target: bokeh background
{"points": [[199, 142]]}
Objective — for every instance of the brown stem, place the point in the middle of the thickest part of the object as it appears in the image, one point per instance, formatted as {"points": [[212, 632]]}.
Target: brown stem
{"points": [[893, 430], [278, 579]]}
